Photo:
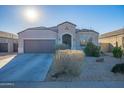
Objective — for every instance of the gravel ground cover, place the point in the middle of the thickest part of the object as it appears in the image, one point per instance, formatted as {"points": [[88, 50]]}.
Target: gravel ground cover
{"points": [[92, 71]]}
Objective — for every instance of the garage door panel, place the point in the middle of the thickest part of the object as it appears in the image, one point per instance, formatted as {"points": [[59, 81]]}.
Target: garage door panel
{"points": [[39, 46], [3, 47]]}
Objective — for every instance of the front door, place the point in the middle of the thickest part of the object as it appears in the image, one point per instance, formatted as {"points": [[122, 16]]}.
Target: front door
{"points": [[66, 39]]}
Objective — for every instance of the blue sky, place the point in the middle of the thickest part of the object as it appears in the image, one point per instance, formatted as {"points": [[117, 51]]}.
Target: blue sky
{"points": [[100, 18]]}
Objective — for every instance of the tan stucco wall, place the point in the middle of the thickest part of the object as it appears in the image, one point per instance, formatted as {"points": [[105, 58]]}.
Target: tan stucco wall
{"points": [[8, 35], [106, 47], [112, 40], [38, 34]]}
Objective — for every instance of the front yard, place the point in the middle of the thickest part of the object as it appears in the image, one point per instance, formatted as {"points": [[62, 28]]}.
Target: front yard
{"points": [[92, 71], [93, 74]]}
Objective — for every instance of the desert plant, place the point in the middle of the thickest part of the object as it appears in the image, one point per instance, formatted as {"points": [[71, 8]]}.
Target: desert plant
{"points": [[61, 47], [118, 68], [117, 52], [92, 50], [68, 61]]}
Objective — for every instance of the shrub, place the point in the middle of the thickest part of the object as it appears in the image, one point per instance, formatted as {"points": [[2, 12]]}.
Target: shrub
{"points": [[118, 68], [92, 50], [61, 47], [68, 61], [117, 52]]}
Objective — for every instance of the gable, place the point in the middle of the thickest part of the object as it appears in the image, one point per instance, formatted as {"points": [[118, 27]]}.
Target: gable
{"points": [[66, 22], [66, 27]]}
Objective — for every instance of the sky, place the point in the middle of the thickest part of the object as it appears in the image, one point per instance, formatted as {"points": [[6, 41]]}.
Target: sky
{"points": [[99, 18]]}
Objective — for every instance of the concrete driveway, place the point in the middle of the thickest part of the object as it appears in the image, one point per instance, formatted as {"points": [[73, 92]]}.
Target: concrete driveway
{"points": [[26, 67]]}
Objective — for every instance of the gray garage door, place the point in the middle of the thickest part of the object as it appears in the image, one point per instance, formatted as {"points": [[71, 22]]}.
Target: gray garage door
{"points": [[3, 47], [39, 46]]}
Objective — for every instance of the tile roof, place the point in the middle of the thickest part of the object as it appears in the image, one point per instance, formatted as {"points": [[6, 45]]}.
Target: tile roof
{"points": [[113, 33], [55, 28], [86, 30], [42, 28], [8, 35]]}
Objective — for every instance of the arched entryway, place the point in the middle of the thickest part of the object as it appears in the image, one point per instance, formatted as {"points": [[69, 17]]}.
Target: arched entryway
{"points": [[66, 39]]}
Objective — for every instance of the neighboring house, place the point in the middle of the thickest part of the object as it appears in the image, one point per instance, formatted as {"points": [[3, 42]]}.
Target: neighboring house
{"points": [[8, 42], [112, 39], [44, 39]]}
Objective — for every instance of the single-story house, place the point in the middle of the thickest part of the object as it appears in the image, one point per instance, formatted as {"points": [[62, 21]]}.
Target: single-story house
{"points": [[44, 39], [8, 42], [112, 39]]}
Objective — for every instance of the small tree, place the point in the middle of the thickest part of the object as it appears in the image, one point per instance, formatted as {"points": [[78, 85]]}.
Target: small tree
{"points": [[117, 52], [92, 50]]}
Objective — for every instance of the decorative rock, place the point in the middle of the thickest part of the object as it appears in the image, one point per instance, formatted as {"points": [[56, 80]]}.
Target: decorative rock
{"points": [[118, 68], [100, 60], [56, 75]]}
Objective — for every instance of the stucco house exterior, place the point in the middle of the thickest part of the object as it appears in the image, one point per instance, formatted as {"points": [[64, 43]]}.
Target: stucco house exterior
{"points": [[8, 42], [44, 39], [112, 39]]}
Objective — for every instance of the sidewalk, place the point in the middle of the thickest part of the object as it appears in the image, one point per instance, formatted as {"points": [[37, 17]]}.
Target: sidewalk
{"points": [[81, 84]]}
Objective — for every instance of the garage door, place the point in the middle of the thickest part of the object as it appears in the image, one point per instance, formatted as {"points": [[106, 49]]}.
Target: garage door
{"points": [[3, 47], [39, 46]]}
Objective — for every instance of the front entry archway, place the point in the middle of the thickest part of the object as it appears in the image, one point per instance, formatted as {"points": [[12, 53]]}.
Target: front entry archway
{"points": [[66, 39]]}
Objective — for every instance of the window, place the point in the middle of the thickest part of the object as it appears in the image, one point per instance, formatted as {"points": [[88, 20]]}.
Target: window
{"points": [[90, 39], [83, 43]]}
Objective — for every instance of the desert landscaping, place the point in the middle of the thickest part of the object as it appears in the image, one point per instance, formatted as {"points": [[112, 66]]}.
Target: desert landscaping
{"points": [[86, 65], [92, 71]]}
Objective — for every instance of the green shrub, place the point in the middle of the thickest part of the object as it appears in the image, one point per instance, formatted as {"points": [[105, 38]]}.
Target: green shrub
{"points": [[61, 47], [92, 50], [117, 52], [118, 68]]}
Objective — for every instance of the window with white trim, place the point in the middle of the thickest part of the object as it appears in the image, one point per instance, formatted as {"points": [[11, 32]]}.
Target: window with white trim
{"points": [[83, 43]]}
